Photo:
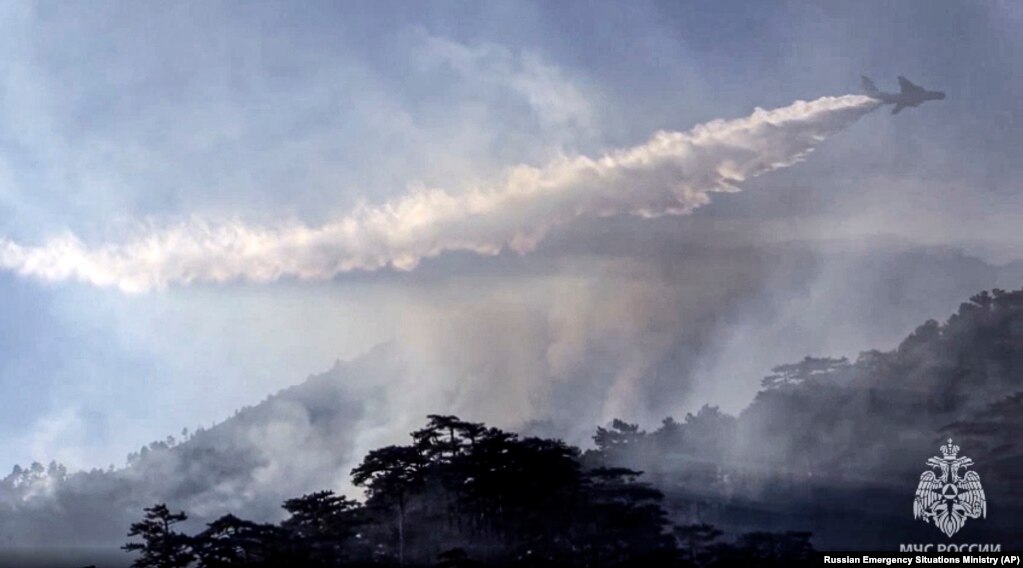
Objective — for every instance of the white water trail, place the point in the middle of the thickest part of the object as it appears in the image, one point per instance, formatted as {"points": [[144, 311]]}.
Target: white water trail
{"points": [[671, 174]]}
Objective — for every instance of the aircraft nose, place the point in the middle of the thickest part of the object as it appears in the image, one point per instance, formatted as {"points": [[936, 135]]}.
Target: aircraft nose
{"points": [[941, 95]]}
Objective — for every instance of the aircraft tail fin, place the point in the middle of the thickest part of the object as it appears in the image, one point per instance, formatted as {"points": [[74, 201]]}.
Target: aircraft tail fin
{"points": [[907, 86], [868, 86]]}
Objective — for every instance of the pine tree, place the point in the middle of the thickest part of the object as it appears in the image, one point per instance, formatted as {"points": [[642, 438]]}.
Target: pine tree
{"points": [[161, 546], [390, 475]]}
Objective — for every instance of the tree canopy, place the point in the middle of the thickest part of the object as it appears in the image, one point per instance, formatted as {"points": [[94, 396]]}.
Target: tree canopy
{"points": [[461, 494]]}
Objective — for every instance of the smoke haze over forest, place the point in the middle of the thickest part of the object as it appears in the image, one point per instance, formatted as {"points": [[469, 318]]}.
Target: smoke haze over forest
{"points": [[541, 216]]}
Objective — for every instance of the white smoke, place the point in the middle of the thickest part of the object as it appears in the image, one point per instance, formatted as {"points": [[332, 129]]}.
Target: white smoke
{"points": [[671, 174]]}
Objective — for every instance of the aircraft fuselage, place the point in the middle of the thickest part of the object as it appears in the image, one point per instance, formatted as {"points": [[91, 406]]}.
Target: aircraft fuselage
{"points": [[909, 95]]}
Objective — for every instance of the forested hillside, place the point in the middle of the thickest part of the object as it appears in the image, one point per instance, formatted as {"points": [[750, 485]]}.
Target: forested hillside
{"points": [[828, 454], [837, 446], [463, 494]]}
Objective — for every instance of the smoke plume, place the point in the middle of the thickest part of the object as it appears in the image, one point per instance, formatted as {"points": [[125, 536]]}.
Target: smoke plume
{"points": [[671, 174]]}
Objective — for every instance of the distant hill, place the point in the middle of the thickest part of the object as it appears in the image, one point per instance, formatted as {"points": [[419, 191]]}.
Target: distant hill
{"points": [[869, 421], [837, 447], [299, 438]]}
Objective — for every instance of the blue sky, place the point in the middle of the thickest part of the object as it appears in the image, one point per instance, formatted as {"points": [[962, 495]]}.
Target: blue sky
{"points": [[123, 114]]}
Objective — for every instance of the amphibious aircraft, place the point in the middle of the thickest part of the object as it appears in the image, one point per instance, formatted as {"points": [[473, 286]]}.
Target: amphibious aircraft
{"points": [[909, 95]]}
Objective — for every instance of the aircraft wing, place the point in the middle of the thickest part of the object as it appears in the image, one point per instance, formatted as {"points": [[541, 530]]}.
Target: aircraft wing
{"points": [[897, 108], [907, 86]]}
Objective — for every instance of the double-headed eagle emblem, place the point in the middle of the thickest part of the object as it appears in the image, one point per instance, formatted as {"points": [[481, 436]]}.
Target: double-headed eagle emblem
{"points": [[946, 497]]}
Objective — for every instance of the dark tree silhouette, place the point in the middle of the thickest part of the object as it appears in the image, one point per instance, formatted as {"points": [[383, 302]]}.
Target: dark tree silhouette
{"points": [[230, 541], [390, 475], [321, 527], [469, 496], [161, 546], [618, 435], [445, 437], [627, 523], [697, 542]]}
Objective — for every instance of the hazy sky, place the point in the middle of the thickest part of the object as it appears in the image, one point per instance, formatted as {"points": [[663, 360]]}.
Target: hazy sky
{"points": [[116, 117]]}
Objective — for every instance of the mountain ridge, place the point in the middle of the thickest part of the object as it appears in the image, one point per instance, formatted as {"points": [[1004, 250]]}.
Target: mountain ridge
{"points": [[305, 437]]}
